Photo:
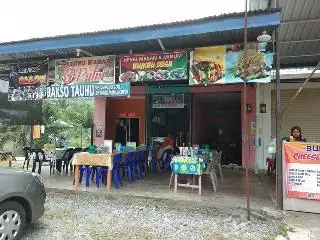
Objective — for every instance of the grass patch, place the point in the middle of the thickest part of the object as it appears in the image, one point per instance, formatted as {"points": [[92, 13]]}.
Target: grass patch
{"points": [[282, 230]]}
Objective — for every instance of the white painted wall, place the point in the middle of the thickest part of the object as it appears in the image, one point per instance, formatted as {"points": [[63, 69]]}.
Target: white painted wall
{"points": [[263, 125]]}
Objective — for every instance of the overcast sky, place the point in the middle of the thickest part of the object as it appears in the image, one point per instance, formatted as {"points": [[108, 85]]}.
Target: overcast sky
{"points": [[24, 19]]}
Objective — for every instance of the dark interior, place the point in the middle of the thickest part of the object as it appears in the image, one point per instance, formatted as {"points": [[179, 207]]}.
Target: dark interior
{"points": [[217, 122], [173, 122], [127, 130]]}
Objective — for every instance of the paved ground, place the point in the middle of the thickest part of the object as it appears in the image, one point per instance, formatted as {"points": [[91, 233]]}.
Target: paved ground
{"points": [[140, 211], [306, 225], [93, 216]]}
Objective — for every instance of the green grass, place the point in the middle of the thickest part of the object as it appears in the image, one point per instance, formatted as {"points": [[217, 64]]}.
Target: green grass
{"points": [[282, 230]]}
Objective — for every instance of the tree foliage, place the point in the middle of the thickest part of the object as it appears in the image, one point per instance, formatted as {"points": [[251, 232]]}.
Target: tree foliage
{"points": [[71, 118]]}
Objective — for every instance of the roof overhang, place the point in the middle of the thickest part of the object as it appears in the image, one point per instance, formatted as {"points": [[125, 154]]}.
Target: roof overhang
{"points": [[299, 30], [194, 33]]}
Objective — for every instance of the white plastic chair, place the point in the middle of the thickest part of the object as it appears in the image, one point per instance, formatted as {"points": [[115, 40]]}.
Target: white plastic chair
{"points": [[216, 158], [210, 170]]}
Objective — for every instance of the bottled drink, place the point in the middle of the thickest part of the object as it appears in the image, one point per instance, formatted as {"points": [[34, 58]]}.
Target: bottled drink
{"points": [[189, 150]]}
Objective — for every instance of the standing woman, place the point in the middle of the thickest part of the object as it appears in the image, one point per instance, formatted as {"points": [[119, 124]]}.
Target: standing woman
{"points": [[296, 135]]}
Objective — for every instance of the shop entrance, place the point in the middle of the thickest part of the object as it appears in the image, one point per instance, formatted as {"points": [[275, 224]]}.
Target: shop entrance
{"points": [[169, 115], [217, 122], [127, 130]]}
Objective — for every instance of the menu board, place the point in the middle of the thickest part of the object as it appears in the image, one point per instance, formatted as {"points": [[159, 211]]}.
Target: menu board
{"points": [[160, 66], [302, 170]]}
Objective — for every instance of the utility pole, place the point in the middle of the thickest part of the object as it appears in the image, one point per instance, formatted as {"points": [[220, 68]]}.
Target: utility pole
{"points": [[279, 179], [245, 117]]}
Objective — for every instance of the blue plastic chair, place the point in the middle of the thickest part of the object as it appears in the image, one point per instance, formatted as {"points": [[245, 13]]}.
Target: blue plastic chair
{"points": [[144, 166], [154, 158], [128, 163], [136, 165], [101, 174], [166, 158], [116, 170], [146, 169], [88, 174]]}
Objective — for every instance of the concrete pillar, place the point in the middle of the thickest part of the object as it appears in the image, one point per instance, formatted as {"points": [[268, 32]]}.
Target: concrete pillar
{"points": [[263, 126], [99, 120]]}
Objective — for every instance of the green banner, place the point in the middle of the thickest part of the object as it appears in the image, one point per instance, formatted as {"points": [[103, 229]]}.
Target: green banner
{"points": [[159, 66]]}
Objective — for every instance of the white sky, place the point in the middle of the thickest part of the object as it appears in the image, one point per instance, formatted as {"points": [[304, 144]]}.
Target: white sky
{"points": [[24, 19]]}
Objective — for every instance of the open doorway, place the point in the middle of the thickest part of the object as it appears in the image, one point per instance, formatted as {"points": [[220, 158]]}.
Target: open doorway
{"points": [[127, 130], [217, 122]]}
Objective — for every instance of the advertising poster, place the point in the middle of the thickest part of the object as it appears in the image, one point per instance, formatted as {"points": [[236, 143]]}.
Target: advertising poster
{"points": [[16, 112], [27, 82], [302, 170], [100, 69], [226, 64], [86, 77], [162, 66], [208, 64]]}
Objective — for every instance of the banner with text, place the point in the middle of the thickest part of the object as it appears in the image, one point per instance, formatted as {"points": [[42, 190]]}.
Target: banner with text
{"points": [[27, 82], [88, 90], [302, 170], [168, 101], [161, 66], [225, 64], [100, 69]]}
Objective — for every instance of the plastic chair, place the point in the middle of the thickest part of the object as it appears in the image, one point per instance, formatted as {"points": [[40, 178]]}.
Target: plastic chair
{"points": [[102, 172], [76, 150], [154, 150], [116, 170], [27, 156], [128, 163], [166, 158], [44, 158], [88, 173], [137, 158], [146, 167], [216, 158], [64, 161]]}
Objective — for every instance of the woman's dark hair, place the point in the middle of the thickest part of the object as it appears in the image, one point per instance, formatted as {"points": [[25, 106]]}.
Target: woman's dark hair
{"points": [[296, 128]]}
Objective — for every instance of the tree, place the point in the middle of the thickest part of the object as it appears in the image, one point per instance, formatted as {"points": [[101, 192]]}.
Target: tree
{"points": [[63, 117], [67, 117]]}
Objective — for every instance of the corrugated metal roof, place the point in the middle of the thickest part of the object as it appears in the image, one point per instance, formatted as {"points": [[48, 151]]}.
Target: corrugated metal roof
{"points": [[184, 22], [214, 30], [299, 30], [183, 42]]}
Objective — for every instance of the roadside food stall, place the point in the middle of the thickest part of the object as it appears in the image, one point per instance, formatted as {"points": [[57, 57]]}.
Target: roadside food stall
{"points": [[150, 93]]}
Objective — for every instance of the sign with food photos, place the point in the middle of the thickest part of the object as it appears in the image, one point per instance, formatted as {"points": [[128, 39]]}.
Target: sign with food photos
{"points": [[226, 64], [27, 82], [159, 66]]}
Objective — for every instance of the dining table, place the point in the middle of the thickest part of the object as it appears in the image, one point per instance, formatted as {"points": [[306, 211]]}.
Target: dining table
{"points": [[97, 160], [187, 165], [92, 159]]}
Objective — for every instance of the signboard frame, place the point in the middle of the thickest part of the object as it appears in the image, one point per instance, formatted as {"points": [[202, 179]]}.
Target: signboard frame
{"points": [[291, 203]]}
